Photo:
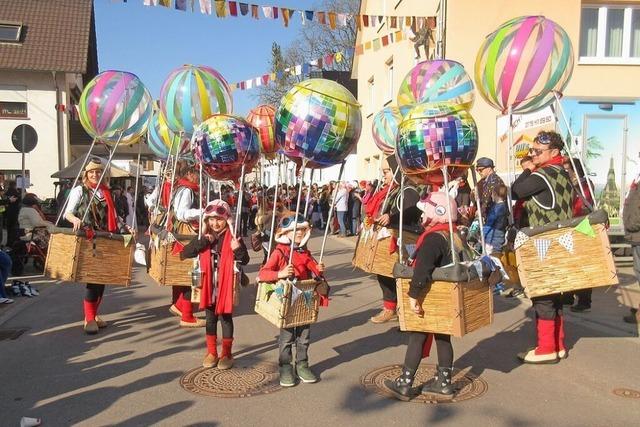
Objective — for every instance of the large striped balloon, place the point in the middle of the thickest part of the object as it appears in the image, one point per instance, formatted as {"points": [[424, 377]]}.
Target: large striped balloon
{"points": [[263, 119], [320, 121], [384, 127], [161, 139], [222, 144], [432, 136], [115, 106], [191, 94], [521, 63], [439, 80]]}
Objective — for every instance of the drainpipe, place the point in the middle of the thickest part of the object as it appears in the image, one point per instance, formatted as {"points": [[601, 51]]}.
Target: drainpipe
{"points": [[441, 32], [59, 123]]}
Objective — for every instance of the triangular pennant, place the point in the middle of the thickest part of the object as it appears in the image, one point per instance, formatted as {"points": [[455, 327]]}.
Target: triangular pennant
{"points": [[295, 294], [585, 228], [521, 239], [566, 241], [127, 239], [542, 247]]}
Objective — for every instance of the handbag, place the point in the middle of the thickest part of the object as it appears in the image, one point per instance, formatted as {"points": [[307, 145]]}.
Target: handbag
{"points": [[256, 241]]}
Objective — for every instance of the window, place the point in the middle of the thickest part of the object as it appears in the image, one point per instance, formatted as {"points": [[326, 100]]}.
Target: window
{"points": [[610, 35], [372, 94], [390, 92], [10, 32]]}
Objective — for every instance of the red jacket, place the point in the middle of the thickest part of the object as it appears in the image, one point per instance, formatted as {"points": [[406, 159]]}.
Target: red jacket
{"points": [[303, 264]]}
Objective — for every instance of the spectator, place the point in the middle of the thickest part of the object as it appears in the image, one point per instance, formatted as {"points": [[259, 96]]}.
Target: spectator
{"points": [[487, 184], [131, 207], [342, 200], [120, 200], [631, 220], [31, 216], [5, 269], [3, 206], [356, 208], [12, 196]]}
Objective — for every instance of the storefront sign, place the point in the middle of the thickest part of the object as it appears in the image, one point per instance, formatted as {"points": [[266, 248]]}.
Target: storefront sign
{"points": [[13, 110]]}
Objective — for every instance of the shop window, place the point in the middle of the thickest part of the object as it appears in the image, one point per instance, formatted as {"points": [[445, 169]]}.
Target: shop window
{"points": [[610, 34]]}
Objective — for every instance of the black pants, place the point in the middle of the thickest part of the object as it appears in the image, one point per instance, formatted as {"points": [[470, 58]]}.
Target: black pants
{"points": [[548, 306], [244, 223], [94, 292], [584, 297], [388, 286], [416, 343], [300, 335], [212, 322]]}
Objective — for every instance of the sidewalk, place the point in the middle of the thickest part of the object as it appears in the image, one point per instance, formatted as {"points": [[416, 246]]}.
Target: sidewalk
{"points": [[128, 374]]}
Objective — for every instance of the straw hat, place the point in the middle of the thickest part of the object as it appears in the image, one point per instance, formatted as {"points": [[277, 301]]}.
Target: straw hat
{"points": [[94, 164]]}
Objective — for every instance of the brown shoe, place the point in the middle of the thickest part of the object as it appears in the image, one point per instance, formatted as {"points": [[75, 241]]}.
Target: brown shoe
{"points": [[225, 362], [90, 327], [101, 323], [197, 323], [210, 361], [175, 310], [384, 316]]}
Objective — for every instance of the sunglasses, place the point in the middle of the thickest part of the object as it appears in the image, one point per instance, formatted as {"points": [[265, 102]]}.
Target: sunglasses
{"points": [[538, 151], [219, 210], [289, 220], [480, 169]]}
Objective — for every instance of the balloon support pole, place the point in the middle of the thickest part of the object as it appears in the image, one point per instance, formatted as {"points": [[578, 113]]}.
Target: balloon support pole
{"points": [[330, 216], [276, 195], [295, 222], [476, 194], [386, 197], [445, 175], [510, 171], [239, 203], [134, 225], [401, 224]]}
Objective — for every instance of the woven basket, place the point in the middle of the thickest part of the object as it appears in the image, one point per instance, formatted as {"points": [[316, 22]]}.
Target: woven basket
{"points": [[590, 265], [272, 303], [168, 269], [451, 308], [372, 254], [103, 260]]}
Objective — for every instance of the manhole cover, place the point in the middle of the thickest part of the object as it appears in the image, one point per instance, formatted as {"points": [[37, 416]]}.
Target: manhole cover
{"points": [[627, 392], [11, 334], [240, 381], [467, 386]]}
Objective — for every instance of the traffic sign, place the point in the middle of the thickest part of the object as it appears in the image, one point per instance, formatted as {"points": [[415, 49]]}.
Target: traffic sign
{"points": [[24, 138]]}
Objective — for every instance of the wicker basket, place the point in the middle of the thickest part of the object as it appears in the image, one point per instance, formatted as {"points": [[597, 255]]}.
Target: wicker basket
{"points": [[168, 269], [451, 308], [103, 260], [590, 265], [272, 303], [372, 254]]}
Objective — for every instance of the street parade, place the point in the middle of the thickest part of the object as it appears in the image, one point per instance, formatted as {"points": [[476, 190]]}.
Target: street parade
{"points": [[328, 249]]}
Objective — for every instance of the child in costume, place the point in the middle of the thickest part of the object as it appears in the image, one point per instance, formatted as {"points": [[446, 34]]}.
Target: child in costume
{"points": [[302, 267], [217, 250]]}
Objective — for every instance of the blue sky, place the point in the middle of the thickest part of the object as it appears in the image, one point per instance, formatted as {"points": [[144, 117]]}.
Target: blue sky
{"points": [[152, 41]]}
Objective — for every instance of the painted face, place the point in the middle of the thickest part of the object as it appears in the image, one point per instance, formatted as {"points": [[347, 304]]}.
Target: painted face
{"points": [[93, 176], [216, 224]]}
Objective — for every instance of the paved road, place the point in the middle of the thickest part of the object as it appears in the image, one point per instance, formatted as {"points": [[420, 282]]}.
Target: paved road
{"points": [[128, 374]]}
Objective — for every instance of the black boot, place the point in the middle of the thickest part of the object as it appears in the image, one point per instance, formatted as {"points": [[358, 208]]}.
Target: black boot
{"points": [[401, 387], [441, 383]]}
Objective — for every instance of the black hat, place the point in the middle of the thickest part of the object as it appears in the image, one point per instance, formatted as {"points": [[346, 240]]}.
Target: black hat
{"points": [[485, 162]]}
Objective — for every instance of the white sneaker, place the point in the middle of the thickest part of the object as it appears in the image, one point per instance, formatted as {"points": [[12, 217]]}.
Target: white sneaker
{"points": [[6, 301]]}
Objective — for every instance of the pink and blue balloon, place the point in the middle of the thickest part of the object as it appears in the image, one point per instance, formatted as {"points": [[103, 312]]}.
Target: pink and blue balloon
{"points": [[318, 121], [191, 94], [115, 107], [440, 80], [521, 64], [384, 127], [222, 144], [162, 141], [435, 135]]}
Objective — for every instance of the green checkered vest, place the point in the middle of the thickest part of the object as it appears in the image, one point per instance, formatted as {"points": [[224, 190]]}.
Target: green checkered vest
{"points": [[97, 217], [561, 189]]}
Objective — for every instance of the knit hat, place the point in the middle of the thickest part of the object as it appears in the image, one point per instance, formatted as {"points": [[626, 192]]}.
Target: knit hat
{"points": [[287, 224], [434, 208], [217, 208]]}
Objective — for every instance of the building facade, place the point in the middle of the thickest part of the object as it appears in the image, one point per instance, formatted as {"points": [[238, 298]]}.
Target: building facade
{"points": [[601, 102]]}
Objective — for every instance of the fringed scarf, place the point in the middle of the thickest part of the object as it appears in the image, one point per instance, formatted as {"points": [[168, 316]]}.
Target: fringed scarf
{"points": [[224, 303]]}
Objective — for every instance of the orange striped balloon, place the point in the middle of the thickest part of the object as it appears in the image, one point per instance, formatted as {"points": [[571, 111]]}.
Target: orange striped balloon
{"points": [[263, 119]]}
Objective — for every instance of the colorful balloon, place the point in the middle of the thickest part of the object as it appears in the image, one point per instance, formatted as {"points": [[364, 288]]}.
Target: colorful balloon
{"points": [[521, 63], [191, 94], [161, 139], [318, 120], [434, 135], [384, 127], [115, 106], [439, 80], [263, 119], [222, 144]]}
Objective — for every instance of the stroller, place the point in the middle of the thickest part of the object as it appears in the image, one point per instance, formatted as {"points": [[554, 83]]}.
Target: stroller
{"points": [[34, 247]]}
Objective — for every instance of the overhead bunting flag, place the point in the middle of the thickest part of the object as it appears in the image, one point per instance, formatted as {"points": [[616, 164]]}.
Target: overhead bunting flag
{"points": [[521, 239], [585, 228], [332, 19], [566, 241], [542, 247]]}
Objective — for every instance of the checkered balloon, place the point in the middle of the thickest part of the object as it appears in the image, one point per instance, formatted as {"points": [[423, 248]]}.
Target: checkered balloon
{"points": [[384, 127], [433, 135], [318, 120], [222, 144]]}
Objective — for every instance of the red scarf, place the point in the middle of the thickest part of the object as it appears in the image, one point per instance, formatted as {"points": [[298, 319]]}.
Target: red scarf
{"points": [[554, 161], [112, 219], [224, 303], [373, 205], [165, 194]]}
